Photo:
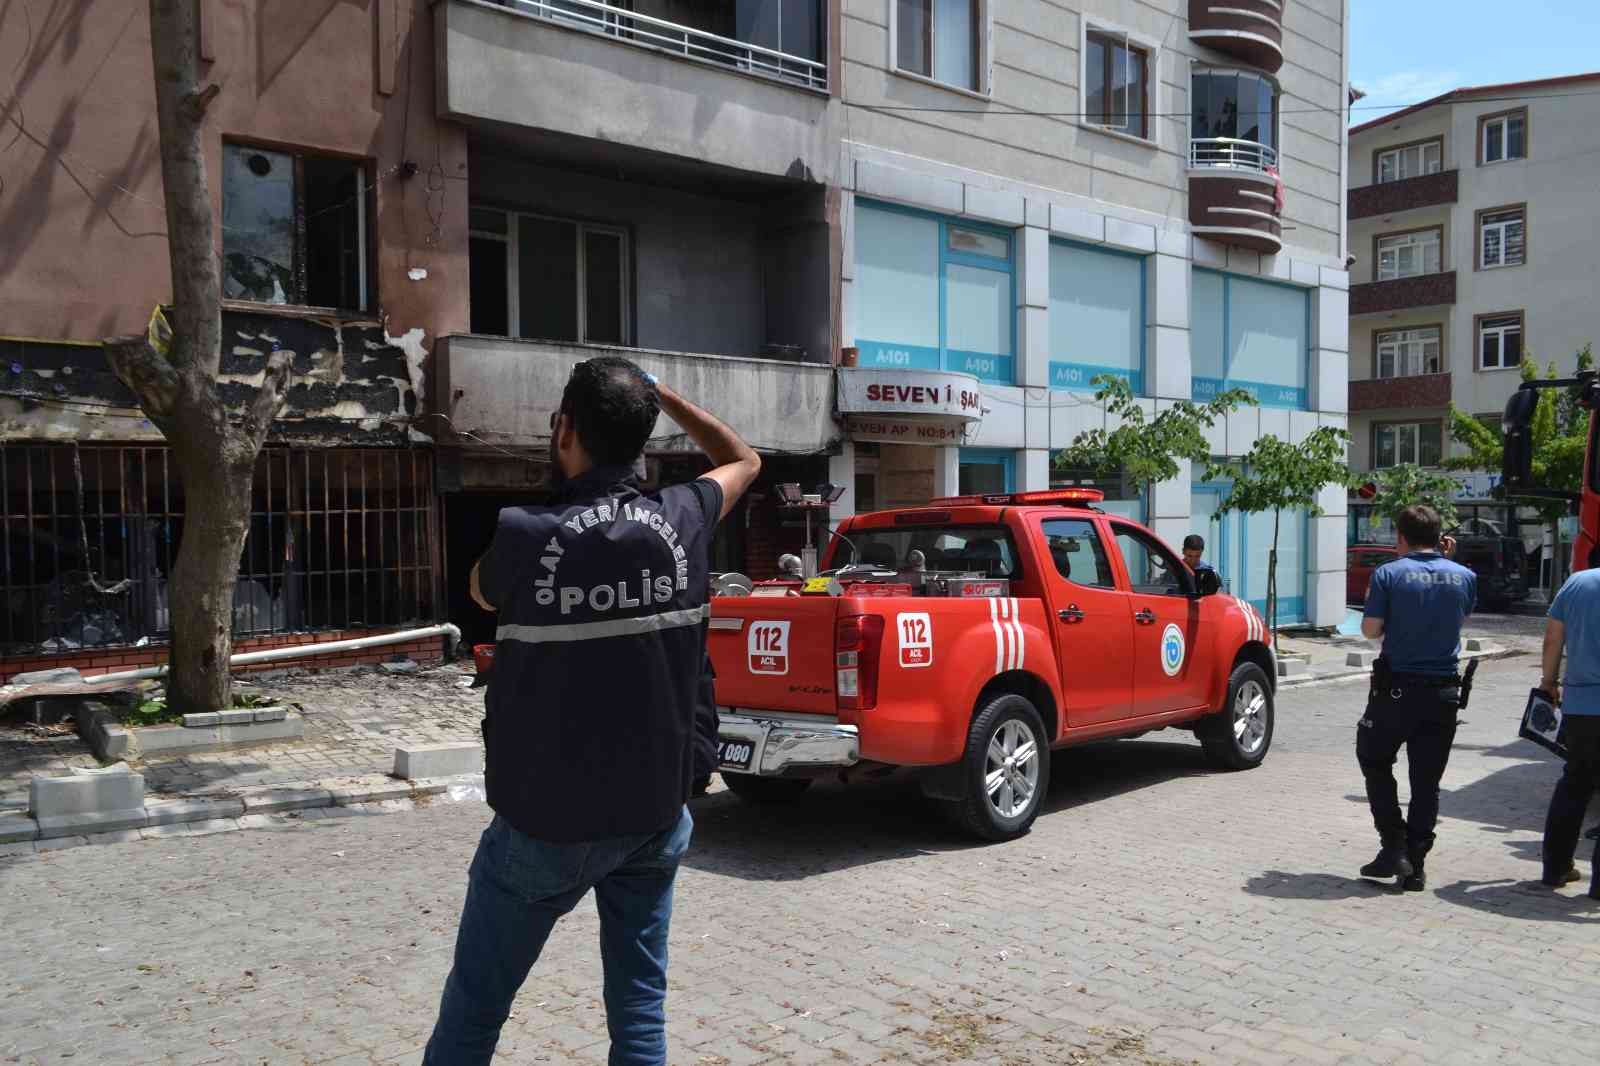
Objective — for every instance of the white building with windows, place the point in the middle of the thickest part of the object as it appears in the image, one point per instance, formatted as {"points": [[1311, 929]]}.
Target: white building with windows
{"points": [[1473, 223], [1033, 194]]}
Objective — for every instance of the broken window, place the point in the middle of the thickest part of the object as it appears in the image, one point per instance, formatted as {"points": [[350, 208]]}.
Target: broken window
{"points": [[295, 228], [338, 538]]}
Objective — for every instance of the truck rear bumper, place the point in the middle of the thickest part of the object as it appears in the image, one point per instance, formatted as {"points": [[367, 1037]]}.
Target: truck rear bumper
{"points": [[781, 742]]}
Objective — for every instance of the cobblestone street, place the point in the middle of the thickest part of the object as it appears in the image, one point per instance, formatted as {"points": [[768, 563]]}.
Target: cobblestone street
{"points": [[1159, 913]]}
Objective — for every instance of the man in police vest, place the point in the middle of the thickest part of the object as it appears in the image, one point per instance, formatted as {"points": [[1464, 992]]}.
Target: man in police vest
{"points": [[1416, 604], [589, 734]]}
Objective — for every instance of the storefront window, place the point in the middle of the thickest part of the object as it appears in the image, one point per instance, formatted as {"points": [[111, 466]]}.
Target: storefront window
{"points": [[933, 294], [986, 471], [1096, 316], [1249, 334]]}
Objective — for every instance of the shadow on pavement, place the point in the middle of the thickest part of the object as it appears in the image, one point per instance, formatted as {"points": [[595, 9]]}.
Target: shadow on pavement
{"points": [[1526, 900], [838, 827], [1280, 884]]}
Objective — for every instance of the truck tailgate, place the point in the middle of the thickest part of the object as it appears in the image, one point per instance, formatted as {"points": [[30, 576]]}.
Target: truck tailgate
{"points": [[774, 653]]}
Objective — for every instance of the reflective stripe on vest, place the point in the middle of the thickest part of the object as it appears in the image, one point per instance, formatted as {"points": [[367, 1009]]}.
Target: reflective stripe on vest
{"points": [[611, 627]]}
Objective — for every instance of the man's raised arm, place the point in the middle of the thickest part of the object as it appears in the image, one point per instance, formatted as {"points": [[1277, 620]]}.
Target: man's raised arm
{"points": [[735, 463]]}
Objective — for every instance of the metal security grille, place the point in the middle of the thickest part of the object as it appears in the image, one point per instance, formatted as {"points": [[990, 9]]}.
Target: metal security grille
{"points": [[338, 538]]}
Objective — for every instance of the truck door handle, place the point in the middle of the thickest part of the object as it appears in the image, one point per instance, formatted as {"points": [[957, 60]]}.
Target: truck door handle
{"points": [[1145, 616], [1071, 614]]}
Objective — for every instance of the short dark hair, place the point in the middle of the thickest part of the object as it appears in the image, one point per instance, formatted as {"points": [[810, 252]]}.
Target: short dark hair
{"points": [[1419, 524], [613, 408], [1194, 542]]}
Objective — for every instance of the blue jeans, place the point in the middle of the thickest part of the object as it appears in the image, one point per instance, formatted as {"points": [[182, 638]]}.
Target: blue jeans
{"points": [[517, 889]]}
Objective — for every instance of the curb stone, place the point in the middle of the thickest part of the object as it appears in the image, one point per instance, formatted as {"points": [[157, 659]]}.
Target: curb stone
{"points": [[279, 807]]}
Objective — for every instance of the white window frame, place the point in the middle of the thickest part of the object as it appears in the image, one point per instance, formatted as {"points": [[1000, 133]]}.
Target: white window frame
{"points": [[1399, 155], [1407, 351], [513, 298], [1503, 123], [1500, 333], [985, 68], [1418, 239], [1501, 227], [1402, 431], [1152, 80]]}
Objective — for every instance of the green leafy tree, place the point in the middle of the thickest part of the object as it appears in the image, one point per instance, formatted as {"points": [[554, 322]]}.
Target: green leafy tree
{"points": [[1406, 484], [1560, 434], [1145, 448], [1276, 476]]}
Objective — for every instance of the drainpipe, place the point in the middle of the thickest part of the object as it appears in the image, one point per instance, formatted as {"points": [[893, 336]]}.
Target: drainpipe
{"points": [[303, 651]]}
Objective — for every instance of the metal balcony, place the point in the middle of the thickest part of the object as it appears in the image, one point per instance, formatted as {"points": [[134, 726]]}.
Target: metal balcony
{"points": [[1234, 193]]}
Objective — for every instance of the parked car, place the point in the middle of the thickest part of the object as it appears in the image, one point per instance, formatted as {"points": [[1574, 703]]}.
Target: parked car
{"points": [[962, 640], [1480, 547], [1360, 561]]}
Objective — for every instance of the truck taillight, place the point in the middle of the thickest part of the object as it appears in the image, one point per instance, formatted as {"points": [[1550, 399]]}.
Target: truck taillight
{"points": [[858, 639]]}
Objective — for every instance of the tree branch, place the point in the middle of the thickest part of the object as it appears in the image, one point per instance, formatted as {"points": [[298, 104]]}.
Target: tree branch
{"points": [[195, 104], [146, 373], [270, 399]]}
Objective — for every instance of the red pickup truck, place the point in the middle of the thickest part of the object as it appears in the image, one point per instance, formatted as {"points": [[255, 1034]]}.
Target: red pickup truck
{"points": [[966, 639]]}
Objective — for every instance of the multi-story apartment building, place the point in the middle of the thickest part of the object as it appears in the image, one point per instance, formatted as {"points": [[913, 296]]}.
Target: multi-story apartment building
{"points": [[1037, 192], [1472, 220], [776, 205]]}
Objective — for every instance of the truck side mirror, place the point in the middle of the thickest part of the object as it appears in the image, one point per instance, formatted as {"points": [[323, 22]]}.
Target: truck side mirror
{"points": [[1207, 583], [1516, 460]]}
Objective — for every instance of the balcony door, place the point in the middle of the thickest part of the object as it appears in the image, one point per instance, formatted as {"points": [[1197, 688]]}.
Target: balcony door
{"points": [[544, 278]]}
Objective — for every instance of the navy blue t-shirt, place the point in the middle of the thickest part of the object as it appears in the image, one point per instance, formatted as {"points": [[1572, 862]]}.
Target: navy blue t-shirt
{"points": [[1422, 598]]}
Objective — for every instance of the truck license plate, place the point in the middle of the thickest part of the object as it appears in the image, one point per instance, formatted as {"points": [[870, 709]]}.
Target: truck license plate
{"points": [[735, 754]]}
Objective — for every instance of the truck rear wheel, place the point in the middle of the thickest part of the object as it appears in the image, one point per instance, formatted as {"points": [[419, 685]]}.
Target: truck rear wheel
{"points": [[1238, 736], [1006, 770], [754, 789]]}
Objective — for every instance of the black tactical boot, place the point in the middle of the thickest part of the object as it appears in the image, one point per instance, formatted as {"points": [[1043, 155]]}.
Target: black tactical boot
{"points": [[1416, 881], [1391, 860]]}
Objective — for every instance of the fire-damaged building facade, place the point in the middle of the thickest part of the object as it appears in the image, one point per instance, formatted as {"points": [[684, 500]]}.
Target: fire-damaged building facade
{"points": [[439, 207]]}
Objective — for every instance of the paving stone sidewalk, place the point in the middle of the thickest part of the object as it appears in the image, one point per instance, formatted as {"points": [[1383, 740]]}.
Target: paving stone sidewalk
{"points": [[1159, 914], [353, 722]]}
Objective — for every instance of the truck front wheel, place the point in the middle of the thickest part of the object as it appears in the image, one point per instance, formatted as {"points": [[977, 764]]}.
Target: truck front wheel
{"points": [[1006, 771], [1238, 736], [753, 789]]}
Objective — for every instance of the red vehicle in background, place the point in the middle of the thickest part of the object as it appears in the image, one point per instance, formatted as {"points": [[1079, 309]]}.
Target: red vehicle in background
{"points": [[1360, 561], [963, 640]]}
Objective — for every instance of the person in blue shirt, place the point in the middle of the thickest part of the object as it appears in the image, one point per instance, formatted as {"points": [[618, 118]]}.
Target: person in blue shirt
{"points": [[1574, 628], [1194, 548], [1416, 604]]}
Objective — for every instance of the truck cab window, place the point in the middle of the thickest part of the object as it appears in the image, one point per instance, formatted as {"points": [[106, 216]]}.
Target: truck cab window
{"points": [[1151, 568], [1077, 552]]}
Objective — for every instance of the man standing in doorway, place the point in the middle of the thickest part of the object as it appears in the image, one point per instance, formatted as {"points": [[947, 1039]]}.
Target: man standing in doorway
{"points": [[589, 735], [1416, 604], [1574, 627]]}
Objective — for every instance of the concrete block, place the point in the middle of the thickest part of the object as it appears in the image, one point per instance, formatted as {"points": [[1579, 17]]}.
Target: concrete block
{"points": [[271, 714], [369, 790], [193, 810], [46, 677], [993, 205], [16, 827], [100, 730], [235, 716], [1292, 667], [290, 727], [908, 187], [1077, 224], [438, 760], [202, 720], [284, 798], [1361, 659], [163, 738], [1131, 235], [82, 823], [111, 789]]}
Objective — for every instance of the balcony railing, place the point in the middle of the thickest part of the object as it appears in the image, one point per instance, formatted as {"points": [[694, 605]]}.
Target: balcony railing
{"points": [[1415, 390], [1399, 294], [1385, 198], [1231, 152], [650, 32]]}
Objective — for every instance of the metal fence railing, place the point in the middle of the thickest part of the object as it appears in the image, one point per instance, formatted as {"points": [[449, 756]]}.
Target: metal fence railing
{"points": [[615, 20], [1231, 152]]}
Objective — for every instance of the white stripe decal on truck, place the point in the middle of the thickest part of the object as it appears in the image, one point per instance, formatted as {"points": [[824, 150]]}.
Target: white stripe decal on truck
{"points": [[999, 641], [1016, 624]]}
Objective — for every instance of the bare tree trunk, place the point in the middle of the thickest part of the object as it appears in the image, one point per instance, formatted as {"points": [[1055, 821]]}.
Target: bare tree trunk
{"points": [[1272, 584], [177, 386]]}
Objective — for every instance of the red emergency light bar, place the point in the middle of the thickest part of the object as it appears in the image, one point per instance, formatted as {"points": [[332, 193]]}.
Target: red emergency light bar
{"points": [[1022, 499]]}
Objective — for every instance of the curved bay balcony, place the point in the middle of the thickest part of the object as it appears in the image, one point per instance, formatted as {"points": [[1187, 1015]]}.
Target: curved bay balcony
{"points": [[1235, 195], [1250, 31]]}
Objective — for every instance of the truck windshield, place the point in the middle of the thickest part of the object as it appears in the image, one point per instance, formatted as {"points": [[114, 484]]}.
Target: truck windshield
{"points": [[983, 550]]}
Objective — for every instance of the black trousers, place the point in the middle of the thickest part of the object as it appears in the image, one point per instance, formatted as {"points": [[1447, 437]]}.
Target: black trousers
{"points": [[1423, 721], [1570, 801]]}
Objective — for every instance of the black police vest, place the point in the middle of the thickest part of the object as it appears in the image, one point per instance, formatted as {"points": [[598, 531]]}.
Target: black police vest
{"points": [[598, 661]]}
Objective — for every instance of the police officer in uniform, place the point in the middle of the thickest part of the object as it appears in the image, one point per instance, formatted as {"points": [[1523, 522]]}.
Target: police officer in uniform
{"points": [[1416, 604], [590, 736]]}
